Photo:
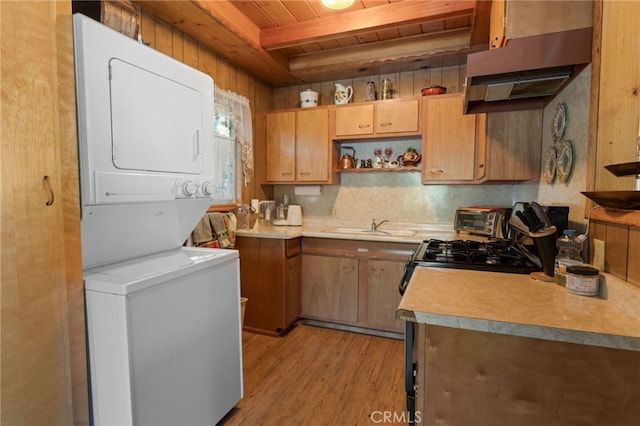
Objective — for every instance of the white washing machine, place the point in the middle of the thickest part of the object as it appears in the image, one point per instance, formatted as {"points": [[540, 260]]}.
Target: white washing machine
{"points": [[164, 338]]}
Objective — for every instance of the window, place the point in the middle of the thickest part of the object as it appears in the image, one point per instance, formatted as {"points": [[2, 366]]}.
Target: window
{"points": [[233, 146]]}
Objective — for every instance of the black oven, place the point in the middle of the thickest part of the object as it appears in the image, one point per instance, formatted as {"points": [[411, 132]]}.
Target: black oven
{"points": [[496, 255]]}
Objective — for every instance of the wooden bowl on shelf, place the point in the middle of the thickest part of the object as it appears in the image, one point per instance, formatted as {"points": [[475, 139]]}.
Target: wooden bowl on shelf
{"points": [[434, 90]]}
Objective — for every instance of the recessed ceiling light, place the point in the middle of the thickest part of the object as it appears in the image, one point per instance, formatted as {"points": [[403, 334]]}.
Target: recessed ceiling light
{"points": [[337, 4]]}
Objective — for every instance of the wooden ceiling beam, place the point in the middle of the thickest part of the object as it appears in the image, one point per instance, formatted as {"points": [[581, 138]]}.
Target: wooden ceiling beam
{"points": [[363, 20], [383, 52]]}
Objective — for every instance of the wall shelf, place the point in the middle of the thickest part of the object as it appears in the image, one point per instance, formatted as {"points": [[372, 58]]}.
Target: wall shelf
{"points": [[380, 170]]}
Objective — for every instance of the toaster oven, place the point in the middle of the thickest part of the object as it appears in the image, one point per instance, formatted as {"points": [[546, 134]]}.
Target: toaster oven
{"points": [[487, 221]]}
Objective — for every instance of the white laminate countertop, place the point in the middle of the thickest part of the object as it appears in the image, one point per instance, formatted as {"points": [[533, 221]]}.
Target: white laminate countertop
{"points": [[518, 305], [326, 228]]}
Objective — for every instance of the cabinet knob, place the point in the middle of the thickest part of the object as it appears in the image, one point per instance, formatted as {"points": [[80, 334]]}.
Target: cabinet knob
{"points": [[436, 171], [304, 173], [286, 173], [363, 126], [386, 124]]}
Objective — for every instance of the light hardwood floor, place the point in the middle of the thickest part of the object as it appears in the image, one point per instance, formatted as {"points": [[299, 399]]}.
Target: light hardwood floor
{"points": [[318, 376]]}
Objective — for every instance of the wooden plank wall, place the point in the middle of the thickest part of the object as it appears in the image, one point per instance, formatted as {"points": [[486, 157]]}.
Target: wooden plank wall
{"points": [[170, 41], [403, 85], [620, 231]]}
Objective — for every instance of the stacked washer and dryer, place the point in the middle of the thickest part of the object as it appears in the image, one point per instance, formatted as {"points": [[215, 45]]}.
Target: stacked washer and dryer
{"points": [[163, 320]]}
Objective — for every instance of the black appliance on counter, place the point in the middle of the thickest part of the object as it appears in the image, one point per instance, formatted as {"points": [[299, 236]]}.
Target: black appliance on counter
{"points": [[495, 255]]}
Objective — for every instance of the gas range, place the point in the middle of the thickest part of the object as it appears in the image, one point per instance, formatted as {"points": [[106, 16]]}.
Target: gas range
{"points": [[496, 256]]}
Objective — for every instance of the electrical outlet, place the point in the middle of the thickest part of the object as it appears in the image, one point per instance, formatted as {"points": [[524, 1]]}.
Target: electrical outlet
{"points": [[598, 254]]}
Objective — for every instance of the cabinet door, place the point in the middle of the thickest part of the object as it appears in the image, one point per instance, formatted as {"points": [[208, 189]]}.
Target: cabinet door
{"points": [[383, 297], [312, 145], [293, 290], [262, 281], [354, 120], [514, 143], [42, 327], [281, 146], [329, 289], [394, 117], [614, 103], [448, 141]]}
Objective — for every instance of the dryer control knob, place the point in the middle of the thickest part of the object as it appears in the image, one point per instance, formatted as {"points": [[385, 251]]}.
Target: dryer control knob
{"points": [[207, 189], [188, 188]]}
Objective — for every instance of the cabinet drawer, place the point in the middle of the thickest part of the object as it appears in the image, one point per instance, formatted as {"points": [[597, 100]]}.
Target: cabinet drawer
{"points": [[354, 120], [397, 117]]}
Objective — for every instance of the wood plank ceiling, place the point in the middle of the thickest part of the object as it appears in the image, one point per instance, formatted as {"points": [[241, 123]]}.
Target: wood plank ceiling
{"points": [[289, 42]]}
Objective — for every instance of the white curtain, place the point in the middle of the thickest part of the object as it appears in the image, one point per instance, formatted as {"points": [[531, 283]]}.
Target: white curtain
{"points": [[233, 145]]}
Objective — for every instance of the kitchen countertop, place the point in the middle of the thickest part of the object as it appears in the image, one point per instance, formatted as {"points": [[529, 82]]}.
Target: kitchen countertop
{"points": [[326, 228], [515, 304]]}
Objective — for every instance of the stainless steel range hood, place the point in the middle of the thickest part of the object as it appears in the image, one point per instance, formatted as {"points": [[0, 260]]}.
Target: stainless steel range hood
{"points": [[527, 73]]}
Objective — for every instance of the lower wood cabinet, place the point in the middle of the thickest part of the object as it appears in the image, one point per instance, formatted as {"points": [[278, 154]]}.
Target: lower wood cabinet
{"points": [[498, 379], [330, 288], [381, 295], [353, 282], [270, 279]]}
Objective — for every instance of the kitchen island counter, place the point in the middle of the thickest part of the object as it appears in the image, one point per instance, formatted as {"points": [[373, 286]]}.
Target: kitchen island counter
{"points": [[514, 304]]}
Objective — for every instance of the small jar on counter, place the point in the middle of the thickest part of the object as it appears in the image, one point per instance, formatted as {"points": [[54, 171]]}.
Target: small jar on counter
{"points": [[583, 280]]}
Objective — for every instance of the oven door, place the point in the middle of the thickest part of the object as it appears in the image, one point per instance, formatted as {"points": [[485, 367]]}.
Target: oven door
{"points": [[410, 368]]}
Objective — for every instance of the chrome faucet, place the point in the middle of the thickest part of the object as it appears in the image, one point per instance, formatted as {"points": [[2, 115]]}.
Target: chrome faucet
{"points": [[374, 226]]}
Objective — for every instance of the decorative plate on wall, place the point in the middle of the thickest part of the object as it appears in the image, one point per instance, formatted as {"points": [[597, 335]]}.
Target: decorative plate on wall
{"points": [[559, 121], [549, 164], [564, 160]]}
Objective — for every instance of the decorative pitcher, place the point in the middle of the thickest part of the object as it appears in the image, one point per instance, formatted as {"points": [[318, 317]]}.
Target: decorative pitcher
{"points": [[342, 94]]}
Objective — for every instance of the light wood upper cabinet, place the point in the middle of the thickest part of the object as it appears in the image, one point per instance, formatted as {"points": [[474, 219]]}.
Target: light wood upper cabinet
{"points": [[448, 141], [513, 145], [298, 147], [478, 148], [312, 145], [398, 117], [354, 120], [281, 146], [512, 19]]}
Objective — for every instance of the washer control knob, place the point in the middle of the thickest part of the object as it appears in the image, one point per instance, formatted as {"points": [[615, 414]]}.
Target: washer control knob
{"points": [[188, 188]]}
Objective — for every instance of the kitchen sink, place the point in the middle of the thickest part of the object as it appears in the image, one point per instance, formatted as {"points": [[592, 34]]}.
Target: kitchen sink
{"points": [[361, 231]]}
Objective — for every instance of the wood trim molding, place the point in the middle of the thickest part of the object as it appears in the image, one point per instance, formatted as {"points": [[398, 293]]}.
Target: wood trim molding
{"points": [[622, 217]]}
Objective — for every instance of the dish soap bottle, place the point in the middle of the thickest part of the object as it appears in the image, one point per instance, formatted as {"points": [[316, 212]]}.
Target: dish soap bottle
{"points": [[569, 249]]}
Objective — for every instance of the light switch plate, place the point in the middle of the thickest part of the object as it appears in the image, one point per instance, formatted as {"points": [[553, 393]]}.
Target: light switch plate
{"points": [[598, 254]]}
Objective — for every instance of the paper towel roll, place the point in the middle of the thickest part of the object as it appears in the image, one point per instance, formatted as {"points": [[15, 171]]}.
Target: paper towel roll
{"points": [[307, 190]]}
